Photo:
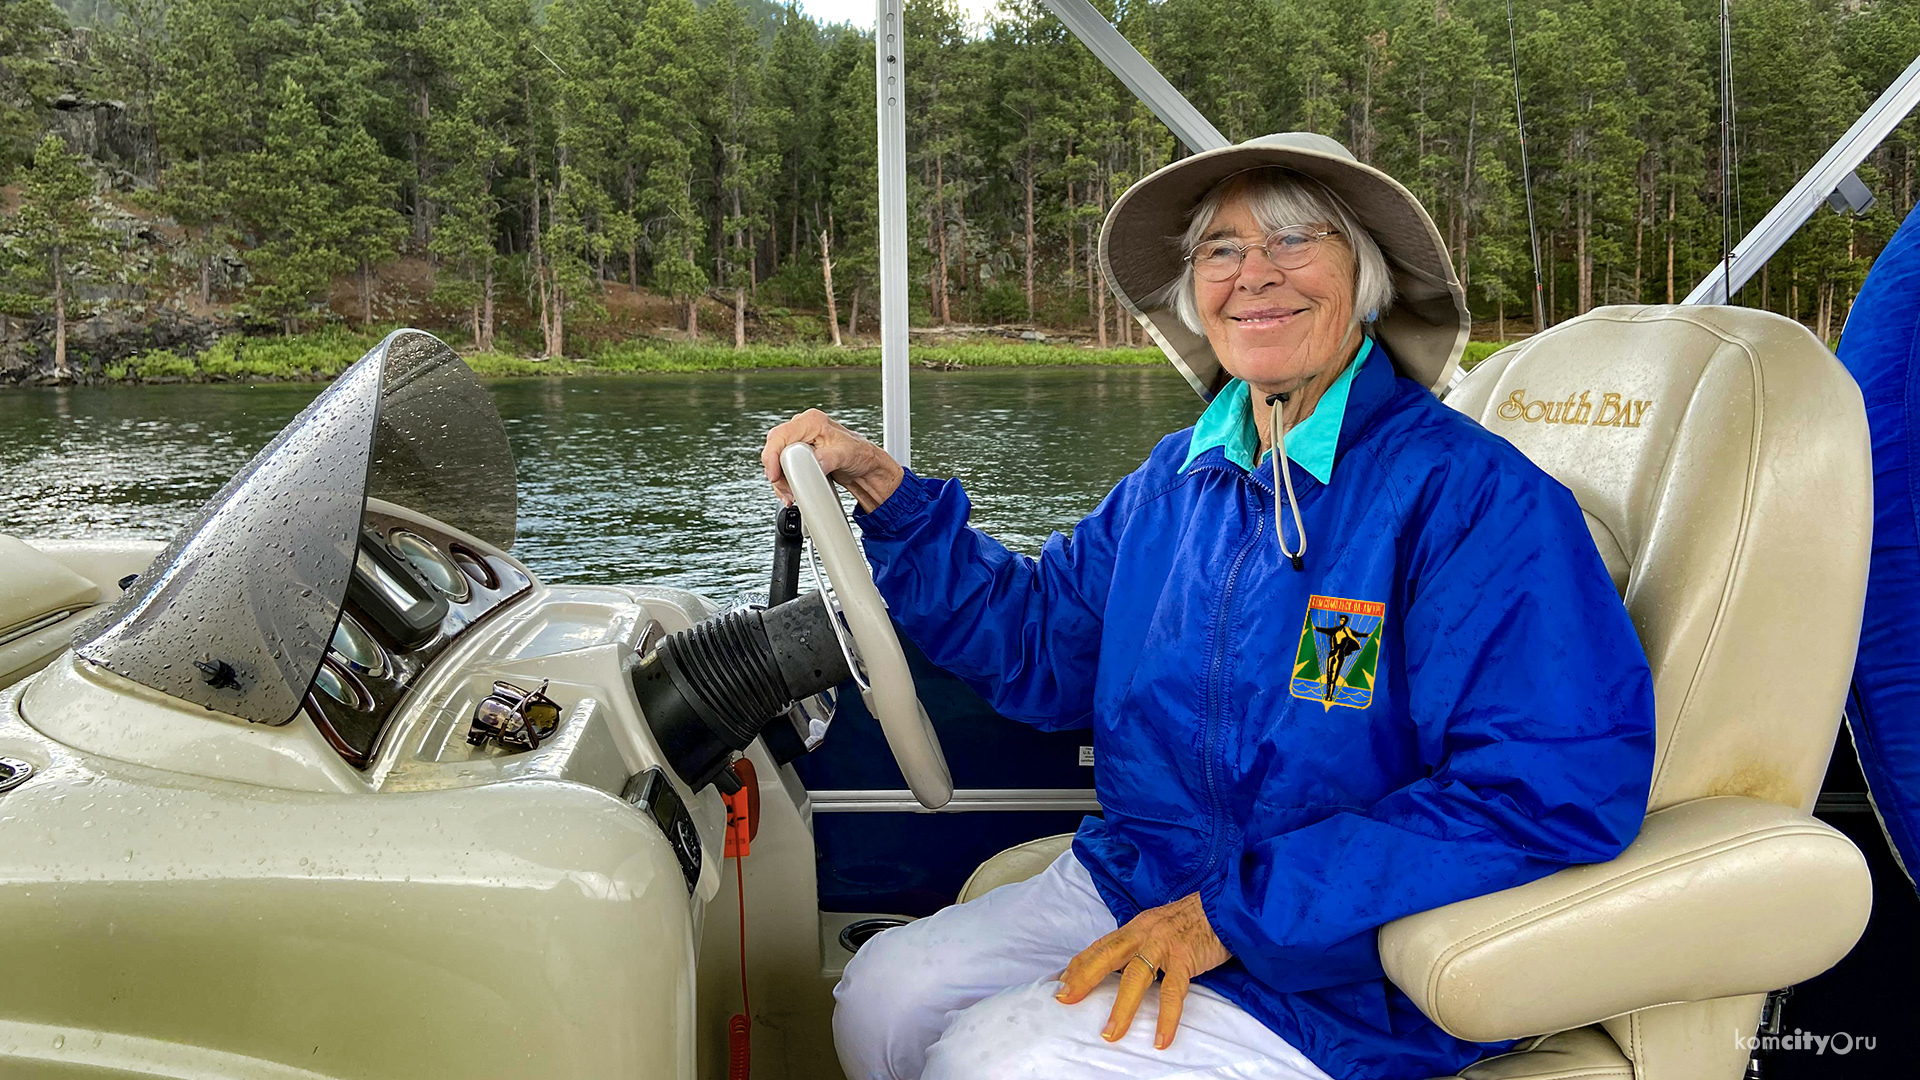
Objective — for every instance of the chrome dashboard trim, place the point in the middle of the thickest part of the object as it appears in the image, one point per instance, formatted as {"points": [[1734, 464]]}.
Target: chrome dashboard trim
{"points": [[14, 772]]}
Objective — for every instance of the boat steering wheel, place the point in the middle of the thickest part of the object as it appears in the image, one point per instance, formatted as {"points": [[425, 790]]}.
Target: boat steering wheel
{"points": [[889, 692]]}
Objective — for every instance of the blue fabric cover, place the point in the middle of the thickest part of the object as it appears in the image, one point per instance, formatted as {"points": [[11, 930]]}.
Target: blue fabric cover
{"points": [[1498, 725], [1879, 347]]}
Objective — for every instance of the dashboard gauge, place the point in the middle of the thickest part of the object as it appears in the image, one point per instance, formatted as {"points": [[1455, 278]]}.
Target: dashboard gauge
{"points": [[686, 844], [354, 645], [332, 683], [475, 567], [428, 560]]}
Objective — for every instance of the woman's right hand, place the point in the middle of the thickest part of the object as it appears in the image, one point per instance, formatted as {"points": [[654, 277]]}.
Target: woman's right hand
{"points": [[854, 463]]}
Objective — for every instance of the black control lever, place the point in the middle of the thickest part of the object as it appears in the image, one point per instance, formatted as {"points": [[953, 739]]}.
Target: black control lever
{"points": [[786, 557]]}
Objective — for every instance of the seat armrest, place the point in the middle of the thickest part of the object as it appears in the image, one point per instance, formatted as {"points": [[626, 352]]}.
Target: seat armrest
{"points": [[1716, 898]]}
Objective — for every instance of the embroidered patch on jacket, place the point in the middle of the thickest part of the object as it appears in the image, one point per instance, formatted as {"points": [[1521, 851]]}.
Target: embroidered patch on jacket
{"points": [[1339, 652]]}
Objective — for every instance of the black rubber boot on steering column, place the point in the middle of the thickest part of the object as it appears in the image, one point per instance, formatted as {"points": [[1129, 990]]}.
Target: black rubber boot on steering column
{"points": [[708, 690]]}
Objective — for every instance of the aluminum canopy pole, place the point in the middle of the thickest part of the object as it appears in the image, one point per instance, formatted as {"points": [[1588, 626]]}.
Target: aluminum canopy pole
{"points": [[1791, 212], [1146, 82], [890, 89], [890, 85]]}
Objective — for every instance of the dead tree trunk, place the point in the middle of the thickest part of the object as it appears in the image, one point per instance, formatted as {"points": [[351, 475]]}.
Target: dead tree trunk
{"points": [[1100, 320], [941, 308], [1583, 254], [1670, 207], [486, 311], [1639, 235], [960, 231], [422, 205], [1028, 180], [60, 369], [206, 267], [1099, 196], [552, 297], [826, 277], [1073, 279]]}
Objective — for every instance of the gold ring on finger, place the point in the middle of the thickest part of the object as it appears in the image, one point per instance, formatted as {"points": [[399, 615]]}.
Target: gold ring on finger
{"points": [[1151, 966]]}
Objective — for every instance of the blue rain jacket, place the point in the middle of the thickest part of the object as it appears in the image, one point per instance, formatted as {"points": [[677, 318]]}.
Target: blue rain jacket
{"points": [[1881, 347], [1491, 712]]}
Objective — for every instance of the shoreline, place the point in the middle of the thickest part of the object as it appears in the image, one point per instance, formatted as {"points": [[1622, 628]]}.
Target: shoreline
{"points": [[320, 357]]}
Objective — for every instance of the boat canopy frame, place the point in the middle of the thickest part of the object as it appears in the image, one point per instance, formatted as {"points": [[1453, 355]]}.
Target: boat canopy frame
{"points": [[1831, 181]]}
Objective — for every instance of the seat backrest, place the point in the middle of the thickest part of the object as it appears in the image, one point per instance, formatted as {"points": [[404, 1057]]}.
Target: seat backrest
{"points": [[39, 599], [1722, 459]]}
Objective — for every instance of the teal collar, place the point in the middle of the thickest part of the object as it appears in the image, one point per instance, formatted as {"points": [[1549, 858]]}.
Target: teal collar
{"points": [[1311, 443]]}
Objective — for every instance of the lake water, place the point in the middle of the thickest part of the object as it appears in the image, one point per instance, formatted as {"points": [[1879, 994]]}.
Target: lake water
{"points": [[641, 478]]}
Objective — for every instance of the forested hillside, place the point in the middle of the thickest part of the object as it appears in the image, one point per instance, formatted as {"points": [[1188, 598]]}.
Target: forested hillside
{"points": [[524, 161]]}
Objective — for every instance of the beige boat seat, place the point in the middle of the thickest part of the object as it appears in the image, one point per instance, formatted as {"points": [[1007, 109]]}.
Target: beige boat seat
{"points": [[48, 589], [1721, 457]]}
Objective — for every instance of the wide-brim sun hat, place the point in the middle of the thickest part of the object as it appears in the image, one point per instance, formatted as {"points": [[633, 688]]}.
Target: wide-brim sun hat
{"points": [[1425, 330]]}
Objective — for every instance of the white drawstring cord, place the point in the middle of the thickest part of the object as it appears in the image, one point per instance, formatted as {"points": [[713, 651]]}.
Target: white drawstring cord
{"points": [[1283, 481], [1283, 474]]}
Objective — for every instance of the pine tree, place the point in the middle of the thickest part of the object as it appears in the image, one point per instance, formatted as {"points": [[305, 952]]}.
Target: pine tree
{"points": [[853, 176], [126, 67], [661, 70], [28, 78], [470, 148], [404, 48], [53, 240], [1032, 136], [319, 201], [221, 67], [794, 90], [744, 160], [559, 147], [939, 74], [585, 42], [365, 200], [286, 206]]}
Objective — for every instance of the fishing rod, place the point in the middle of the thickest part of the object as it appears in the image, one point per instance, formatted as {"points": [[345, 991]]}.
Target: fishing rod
{"points": [[1526, 179]]}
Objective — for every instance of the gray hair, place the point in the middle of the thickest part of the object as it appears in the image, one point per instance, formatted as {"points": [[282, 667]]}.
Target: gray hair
{"points": [[1278, 198]]}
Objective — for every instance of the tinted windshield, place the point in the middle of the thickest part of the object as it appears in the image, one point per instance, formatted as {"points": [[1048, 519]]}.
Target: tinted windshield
{"points": [[237, 612]]}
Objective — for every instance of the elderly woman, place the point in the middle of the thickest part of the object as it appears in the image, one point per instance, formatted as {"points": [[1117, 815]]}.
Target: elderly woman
{"points": [[1376, 672]]}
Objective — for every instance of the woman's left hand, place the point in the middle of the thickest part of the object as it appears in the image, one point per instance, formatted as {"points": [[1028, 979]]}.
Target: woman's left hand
{"points": [[1175, 938]]}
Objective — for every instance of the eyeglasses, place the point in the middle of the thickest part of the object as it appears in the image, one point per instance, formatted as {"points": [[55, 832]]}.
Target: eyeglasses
{"points": [[1289, 249], [518, 718]]}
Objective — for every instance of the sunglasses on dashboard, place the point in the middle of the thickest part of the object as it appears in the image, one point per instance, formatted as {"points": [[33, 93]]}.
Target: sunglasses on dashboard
{"points": [[518, 718]]}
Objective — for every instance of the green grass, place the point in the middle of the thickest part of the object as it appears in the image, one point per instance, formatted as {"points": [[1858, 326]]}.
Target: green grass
{"points": [[320, 355], [499, 365], [649, 357], [326, 353], [154, 365], [308, 356], [1478, 351]]}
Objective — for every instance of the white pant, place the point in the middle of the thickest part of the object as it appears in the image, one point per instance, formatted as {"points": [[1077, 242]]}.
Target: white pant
{"points": [[967, 994]]}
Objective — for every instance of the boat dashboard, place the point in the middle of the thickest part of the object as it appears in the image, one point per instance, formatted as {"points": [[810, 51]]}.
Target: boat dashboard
{"points": [[413, 591]]}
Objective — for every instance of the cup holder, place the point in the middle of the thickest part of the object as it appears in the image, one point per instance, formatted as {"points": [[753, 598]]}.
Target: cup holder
{"points": [[856, 934]]}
